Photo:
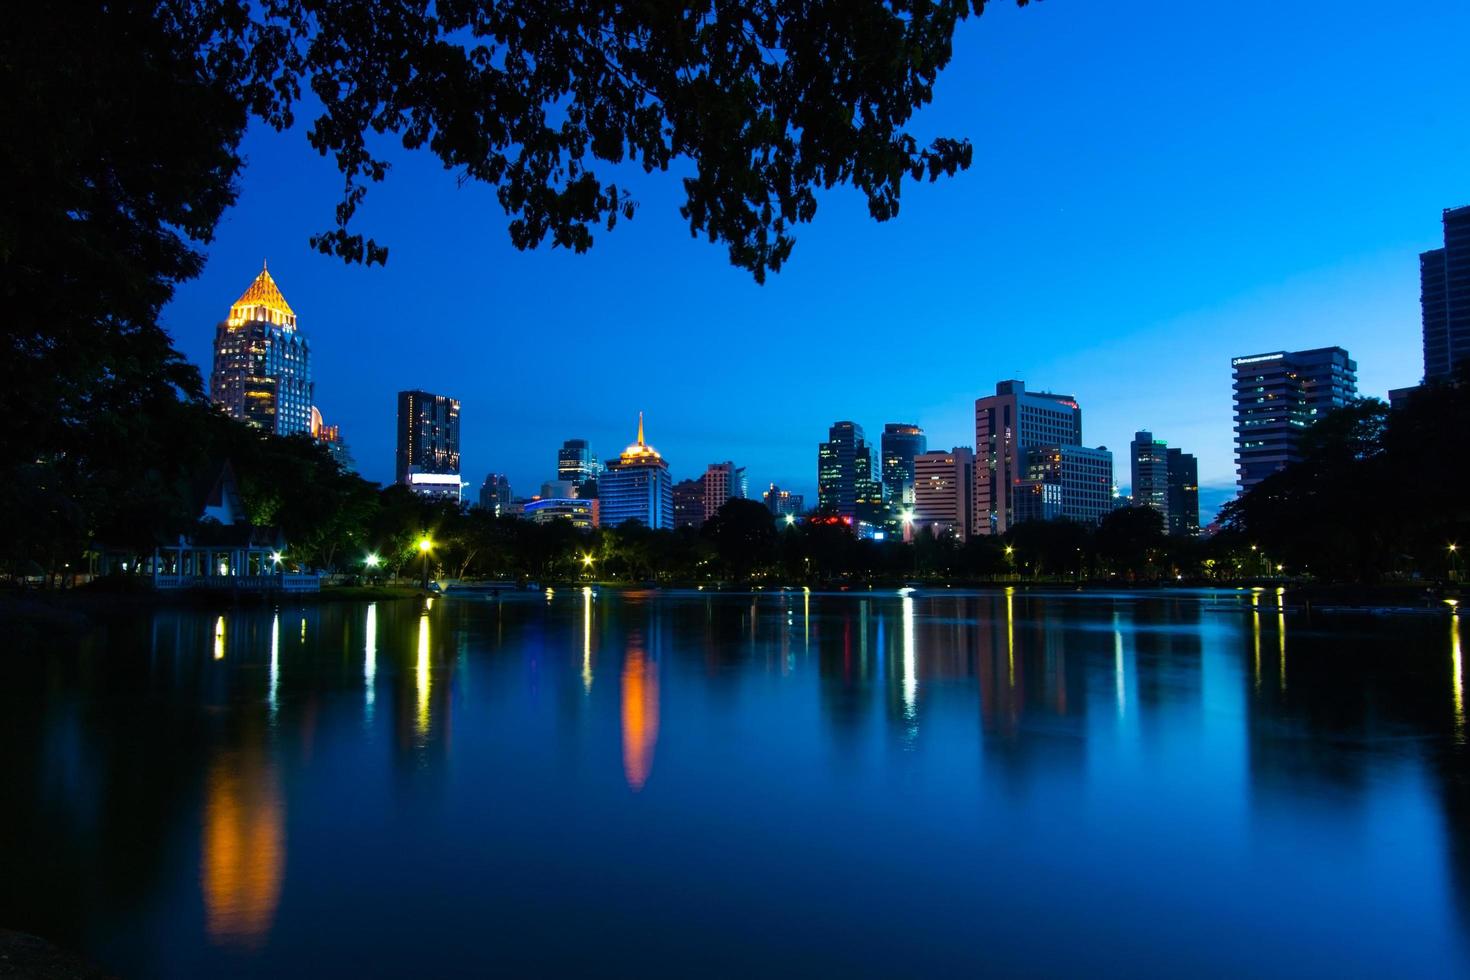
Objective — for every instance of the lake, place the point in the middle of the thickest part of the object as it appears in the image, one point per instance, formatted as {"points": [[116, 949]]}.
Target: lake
{"points": [[998, 782]]}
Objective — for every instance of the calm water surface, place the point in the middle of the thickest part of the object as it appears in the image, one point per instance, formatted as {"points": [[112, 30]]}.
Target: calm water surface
{"points": [[1046, 784]]}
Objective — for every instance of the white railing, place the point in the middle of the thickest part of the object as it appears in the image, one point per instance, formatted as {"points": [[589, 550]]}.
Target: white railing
{"points": [[278, 581]]}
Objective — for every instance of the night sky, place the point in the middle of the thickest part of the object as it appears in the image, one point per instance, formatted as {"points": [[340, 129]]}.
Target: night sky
{"points": [[1157, 186]]}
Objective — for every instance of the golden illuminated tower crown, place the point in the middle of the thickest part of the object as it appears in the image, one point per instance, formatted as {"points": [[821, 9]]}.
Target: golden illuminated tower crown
{"points": [[262, 302]]}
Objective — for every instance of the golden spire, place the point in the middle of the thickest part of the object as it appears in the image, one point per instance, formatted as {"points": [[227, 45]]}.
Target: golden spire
{"points": [[262, 300], [640, 428]]}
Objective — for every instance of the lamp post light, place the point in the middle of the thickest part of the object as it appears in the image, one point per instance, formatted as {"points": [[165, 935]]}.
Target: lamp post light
{"points": [[587, 561], [424, 545], [1454, 550]]}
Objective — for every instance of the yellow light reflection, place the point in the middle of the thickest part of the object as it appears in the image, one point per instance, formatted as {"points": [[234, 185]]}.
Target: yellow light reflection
{"points": [[421, 675], [910, 669], [243, 856], [219, 638], [640, 717], [1281, 638], [1458, 677], [370, 652], [1256, 634], [587, 640], [1011, 633], [806, 617]]}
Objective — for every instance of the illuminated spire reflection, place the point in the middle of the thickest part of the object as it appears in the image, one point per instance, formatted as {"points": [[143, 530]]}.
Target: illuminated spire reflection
{"points": [[1457, 678], [243, 856], [640, 716]]}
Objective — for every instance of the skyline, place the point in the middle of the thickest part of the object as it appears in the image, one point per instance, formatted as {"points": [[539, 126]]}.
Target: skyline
{"points": [[1301, 249]]}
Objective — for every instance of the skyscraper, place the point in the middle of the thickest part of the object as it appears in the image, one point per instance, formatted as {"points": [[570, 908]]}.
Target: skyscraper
{"points": [[845, 473], [330, 438], [1007, 424], [262, 363], [1073, 483], [575, 463], [637, 487], [689, 503], [1150, 472], [722, 482], [428, 443], [1278, 396], [782, 502], [943, 484], [1444, 297], [1183, 494], [495, 495], [899, 444]]}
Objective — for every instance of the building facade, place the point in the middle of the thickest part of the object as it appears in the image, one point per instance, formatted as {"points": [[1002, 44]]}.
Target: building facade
{"points": [[1076, 483], [262, 362], [1278, 396], [544, 510], [637, 487], [899, 444], [689, 503], [1444, 298], [575, 463], [428, 438], [846, 480], [495, 495], [783, 502], [1183, 512], [722, 482], [1150, 473], [943, 484], [329, 437], [1007, 424]]}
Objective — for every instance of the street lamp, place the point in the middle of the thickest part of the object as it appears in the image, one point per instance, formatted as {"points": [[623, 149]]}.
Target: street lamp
{"points": [[424, 545], [790, 519], [371, 561]]}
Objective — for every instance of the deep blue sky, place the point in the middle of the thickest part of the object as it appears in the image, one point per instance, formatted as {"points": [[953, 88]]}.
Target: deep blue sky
{"points": [[1157, 186]]}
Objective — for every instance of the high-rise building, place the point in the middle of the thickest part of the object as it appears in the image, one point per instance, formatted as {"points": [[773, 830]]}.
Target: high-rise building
{"points": [[330, 438], [845, 472], [1278, 396], [637, 487], [262, 362], [689, 503], [1444, 297], [576, 463], [722, 482], [899, 444], [1150, 471], [783, 502], [1183, 511], [943, 483], [495, 495], [1077, 483], [428, 443], [1007, 424]]}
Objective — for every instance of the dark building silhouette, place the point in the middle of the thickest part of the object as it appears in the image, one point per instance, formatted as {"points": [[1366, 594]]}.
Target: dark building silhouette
{"points": [[428, 437], [1444, 297], [689, 503], [899, 444], [846, 481], [1183, 514]]}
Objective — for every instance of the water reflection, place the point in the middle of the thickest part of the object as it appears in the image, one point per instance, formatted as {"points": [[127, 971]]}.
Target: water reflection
{"points": [[370, 656], [275, 667], [219, 638], [640, 713], [244, 849], [910, 661], [587, 640], [423, 678], [1457, 682]]}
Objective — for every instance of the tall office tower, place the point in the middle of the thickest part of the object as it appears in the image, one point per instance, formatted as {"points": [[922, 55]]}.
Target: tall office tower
{"points": [[1278, 396], [898, 446], [1150, 473], [330, 438], [845, 471], [575, 463], [1183, 494], [689, 503], [943, 484], [722, 482], [637, 487], [1007, 424], [1071, 483], [428, 443], [262, 363], [495, 494], [783, 502], [1444, 296]]}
